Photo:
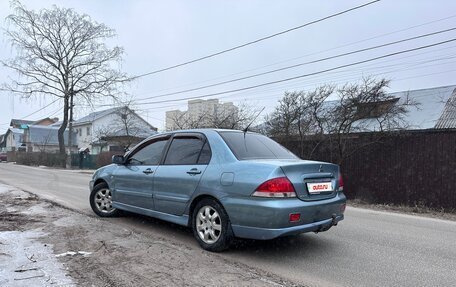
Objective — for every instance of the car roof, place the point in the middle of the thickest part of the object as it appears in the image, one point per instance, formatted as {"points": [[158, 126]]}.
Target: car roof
{"points": [[205, 130]]}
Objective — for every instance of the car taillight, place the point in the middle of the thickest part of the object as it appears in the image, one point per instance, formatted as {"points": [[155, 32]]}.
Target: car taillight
{"points": [[341, 182], [276, 187]]}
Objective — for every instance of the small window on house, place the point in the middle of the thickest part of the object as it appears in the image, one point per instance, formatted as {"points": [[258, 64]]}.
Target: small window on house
{"points": [[88, 131], [374, 109]]}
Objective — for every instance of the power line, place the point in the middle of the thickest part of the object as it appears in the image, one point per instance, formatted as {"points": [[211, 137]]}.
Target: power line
{"points": [[307, 55], [305, 75], [343, 79], [40, 109], [300, 64], [339, 81], [356, 72], [339, 78], [254, 42]]}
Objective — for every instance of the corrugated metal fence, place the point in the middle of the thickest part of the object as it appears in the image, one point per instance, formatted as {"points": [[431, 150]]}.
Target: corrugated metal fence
{"points": [[410, 168]]}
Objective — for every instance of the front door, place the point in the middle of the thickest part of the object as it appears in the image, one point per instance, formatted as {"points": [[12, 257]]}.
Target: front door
{"points": [[133, 182], [177, 178]]}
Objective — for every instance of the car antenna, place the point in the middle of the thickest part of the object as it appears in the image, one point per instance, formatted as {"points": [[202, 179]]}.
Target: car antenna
{"points": [[246, 129]]}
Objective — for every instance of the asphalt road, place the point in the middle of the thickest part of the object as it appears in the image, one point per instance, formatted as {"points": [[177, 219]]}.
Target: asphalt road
{"points": [[368, 248]]}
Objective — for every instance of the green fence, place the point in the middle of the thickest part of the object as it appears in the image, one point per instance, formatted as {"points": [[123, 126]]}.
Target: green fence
{"points": [[86, 161]]}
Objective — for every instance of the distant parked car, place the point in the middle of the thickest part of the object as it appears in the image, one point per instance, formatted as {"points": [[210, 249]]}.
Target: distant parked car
{"points": [[222, 184], [3, 156]]}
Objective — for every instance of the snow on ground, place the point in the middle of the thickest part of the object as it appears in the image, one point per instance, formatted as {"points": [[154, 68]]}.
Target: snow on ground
{"points": [[24, 261]]}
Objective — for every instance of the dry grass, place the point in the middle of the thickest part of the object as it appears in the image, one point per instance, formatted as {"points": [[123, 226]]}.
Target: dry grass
{"points": [[413, 210]]}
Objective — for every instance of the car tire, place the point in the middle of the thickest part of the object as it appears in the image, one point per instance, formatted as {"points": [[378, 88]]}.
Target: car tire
{"points": [[101, 201], [211, 226]]}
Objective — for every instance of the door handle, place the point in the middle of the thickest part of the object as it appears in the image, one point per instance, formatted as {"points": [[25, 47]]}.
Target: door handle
{"points": [[148, 171], [194, 171]]}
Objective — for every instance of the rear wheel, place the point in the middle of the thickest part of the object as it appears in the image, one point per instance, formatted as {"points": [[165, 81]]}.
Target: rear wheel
{"points": [[101, 201], [211, 225]]}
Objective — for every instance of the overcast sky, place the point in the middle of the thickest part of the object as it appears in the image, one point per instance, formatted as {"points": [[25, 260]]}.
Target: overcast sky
{"points": [[158, 34]]}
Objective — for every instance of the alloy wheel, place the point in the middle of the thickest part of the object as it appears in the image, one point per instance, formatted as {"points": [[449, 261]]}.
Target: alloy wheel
{"points": [[103, 200], [208, 224]]}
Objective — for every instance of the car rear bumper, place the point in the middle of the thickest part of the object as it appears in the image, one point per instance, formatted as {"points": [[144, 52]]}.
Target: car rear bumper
{"points": [[268, 233], [258, 218], [91, 185]]}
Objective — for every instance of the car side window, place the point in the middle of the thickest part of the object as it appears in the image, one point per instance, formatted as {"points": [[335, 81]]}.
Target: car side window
{"points": [[149, 154], [205, 155], [184, 151]]}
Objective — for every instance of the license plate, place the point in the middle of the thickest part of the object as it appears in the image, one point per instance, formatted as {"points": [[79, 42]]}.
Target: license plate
{"points": [[317, 187]]}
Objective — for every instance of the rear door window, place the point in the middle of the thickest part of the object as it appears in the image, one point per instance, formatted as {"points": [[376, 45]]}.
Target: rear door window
{"points": [[187, 150]]}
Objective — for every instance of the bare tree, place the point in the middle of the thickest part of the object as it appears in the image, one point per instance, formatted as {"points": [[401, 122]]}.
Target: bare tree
{"points": [[100, 135], [43, 144], [61, 53], [283, 122], [313, 116], [363, 107], [126, 129], [359, 107], [220, 118]]}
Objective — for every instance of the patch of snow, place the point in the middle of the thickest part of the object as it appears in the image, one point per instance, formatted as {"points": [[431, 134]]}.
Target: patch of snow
{"points": [[12, 191], [64, 221], [27, 262], [72, 253], [4, 188], [10, 209], [35, 210]]}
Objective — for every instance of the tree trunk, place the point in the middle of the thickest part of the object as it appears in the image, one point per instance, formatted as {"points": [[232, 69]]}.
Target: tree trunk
{"points": [[70, 131], [61, 131]]}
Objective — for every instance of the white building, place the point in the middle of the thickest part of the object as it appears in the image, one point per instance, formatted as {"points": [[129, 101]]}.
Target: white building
{"points": [[202, 114], [111, 130]]}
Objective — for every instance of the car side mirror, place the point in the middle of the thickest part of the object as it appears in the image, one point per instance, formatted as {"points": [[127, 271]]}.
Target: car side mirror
{"points": [[118, 159]]}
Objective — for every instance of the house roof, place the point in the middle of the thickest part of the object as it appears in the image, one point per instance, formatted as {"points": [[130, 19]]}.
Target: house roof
{"points": [[47, 135], [19, 122], [48, 119], [431, 107], [436, 109], [139, 132], [24, 123], [448, 118], [95, 115]]}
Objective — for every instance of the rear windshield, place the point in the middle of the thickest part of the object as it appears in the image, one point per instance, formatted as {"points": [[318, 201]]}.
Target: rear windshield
{"points": [[255, 146]]}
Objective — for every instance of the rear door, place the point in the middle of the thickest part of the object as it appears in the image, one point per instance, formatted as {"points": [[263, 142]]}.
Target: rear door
{"points": [[177, 178], [134, 180]]}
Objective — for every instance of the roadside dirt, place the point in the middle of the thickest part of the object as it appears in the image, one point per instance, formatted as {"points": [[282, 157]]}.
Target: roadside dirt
{"points": [[97, 252]]}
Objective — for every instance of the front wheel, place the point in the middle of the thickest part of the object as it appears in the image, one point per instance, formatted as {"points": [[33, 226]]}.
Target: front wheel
{"points": [[101, 201], [211, 226]]}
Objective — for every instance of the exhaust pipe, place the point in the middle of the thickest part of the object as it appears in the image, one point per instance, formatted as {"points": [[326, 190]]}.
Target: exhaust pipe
{"points": [[323, 228]]}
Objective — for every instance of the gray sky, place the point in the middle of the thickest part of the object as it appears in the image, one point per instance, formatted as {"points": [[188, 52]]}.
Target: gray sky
{"points": [[157, 34]]}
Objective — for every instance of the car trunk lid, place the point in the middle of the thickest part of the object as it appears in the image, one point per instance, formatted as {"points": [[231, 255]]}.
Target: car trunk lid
{"points": [[312, 180]]}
